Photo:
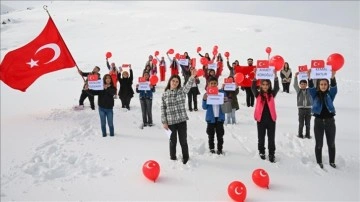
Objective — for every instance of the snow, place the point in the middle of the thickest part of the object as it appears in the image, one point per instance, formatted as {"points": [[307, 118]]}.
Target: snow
{"points": [[51, 152]]}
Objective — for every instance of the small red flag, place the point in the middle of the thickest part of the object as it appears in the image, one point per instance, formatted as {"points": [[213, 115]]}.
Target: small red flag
{"points": [[46, 53], [228, 80], [317, 63], [212, 90], [303, 68], [93, 77], [142, 79], [262, 63]]}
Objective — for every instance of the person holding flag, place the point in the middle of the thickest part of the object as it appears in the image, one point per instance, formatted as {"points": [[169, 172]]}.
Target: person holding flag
{"points": [[84, 93], [113, 71]]}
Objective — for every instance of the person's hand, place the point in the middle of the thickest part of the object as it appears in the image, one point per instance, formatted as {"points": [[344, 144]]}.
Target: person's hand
{"points": [[254, 71], [308, 73], [205, 96], [137, 85], [86, 87], [297, 73], [223, 86], [106, 86], [333, 74], [166, 126], [275, 73], [193, 73]]}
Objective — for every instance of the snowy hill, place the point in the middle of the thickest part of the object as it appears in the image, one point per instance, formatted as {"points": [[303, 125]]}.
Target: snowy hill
{"points": [[51, 152]]}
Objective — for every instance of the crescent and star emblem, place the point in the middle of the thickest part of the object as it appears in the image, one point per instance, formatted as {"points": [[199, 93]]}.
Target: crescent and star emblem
{"points": [[237, 192], [52, 46]]}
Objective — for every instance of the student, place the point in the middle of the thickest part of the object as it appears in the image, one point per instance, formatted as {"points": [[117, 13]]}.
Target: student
{"points": [[153, 68], [173, 113], [215, 118], [265, 115], [286, 75], [174, 65], [126, 91], [113, 72], [324, 111], [193, 93], [84, 94], [250, 98], [304, 103], [146, 102], [162, 66], [106, 104], [231, 96]]}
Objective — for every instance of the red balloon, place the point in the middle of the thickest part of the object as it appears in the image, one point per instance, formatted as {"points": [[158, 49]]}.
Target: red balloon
{"points": [[151, 170], [177, 56], [108, 55], [199, 72], [156, 53], [277, 61], [153, 80], [215, 52], [227, 54], [170, 51], [239, 77], [198, 49], [215, 47], [154, 61], [336, 60], [261, 178], [204, 61], [268, 50], [237, 191]]}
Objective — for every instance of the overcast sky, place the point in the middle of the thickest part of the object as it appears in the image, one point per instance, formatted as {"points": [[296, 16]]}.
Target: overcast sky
{"points": [[335, 13]]}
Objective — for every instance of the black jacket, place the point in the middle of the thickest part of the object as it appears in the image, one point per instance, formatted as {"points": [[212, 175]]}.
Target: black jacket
{"points": [[105, 97], [126, 89]]}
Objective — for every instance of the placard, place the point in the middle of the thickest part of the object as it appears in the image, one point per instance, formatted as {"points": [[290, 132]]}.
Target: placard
{"points": [[96, 85], [144, 85], [321, 73], [212, 66], [265, 73], [215, 99], [230, 86], [184, 62], [302, 76]]}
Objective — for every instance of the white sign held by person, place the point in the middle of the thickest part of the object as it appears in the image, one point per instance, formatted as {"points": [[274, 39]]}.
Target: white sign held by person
{"points": [[321, 73], [144, 85], [184, 62], [265, 73], [215, 99], [302, 76], [212, 66], [96, 85], [229, 86]]}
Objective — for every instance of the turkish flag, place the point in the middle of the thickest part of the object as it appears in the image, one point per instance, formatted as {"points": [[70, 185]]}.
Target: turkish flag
{"points": [[228, 80], [248, 72], [126, 65], [262, 63], [46, 53], [142, 79], [317, 63], [303, 68], [93, 77], [212, 90]]}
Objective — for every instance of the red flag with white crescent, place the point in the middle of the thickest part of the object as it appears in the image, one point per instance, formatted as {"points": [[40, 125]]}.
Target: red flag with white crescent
{"points": [[248, 72], [262, 64], [303, 68], [46, 53], [317, 63], [212, 90]]}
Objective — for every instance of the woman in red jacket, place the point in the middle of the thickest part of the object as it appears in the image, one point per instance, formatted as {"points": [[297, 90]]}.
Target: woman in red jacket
{"points": [[265, 115]]}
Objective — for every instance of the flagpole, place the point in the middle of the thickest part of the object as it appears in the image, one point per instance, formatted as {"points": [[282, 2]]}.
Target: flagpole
{"points": [[45, 8]]}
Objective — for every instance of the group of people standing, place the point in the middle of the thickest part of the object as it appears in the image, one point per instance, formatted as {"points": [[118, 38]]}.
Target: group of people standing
{"points": [[311, 101]]}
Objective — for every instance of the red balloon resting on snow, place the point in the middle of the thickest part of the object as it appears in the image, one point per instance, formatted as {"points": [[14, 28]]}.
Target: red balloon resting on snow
{"points": [[151, 170]]}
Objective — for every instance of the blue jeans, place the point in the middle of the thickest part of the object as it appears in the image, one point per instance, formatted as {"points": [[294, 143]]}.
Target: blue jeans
{"points": [[106, 114], [230, 117]]}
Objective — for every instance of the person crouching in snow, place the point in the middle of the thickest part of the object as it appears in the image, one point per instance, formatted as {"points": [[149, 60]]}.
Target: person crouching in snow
{"points": [[106, 104], [265, 114], [126, 91]]}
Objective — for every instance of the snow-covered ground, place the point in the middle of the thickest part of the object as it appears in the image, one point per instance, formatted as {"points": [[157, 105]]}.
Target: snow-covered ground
{"points": [[50, 152]]}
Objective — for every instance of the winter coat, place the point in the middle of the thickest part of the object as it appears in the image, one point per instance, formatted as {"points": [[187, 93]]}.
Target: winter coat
{"points": [[318, 97], [269, 100], [126, 89], [105, 97], [286, 76], [232, 95], [209, 116], [173, 104], [303, 96]]}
